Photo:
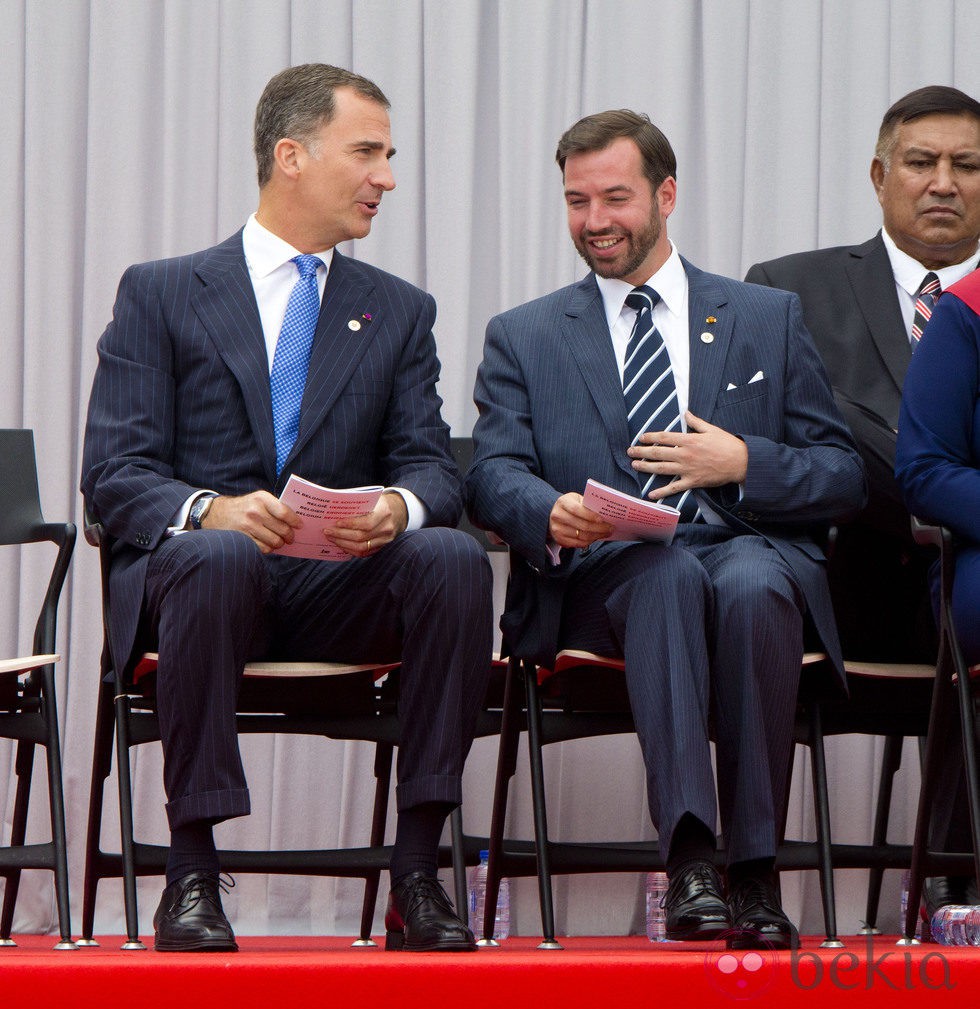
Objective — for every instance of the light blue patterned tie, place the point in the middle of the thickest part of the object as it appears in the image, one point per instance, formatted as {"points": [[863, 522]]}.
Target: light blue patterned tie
{"points": [[648, 387], [292, 356]]}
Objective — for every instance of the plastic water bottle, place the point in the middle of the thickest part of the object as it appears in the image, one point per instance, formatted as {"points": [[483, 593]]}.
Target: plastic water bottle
{"points": [[478, 899], [656, 888], [957, 925], [904, 902]]}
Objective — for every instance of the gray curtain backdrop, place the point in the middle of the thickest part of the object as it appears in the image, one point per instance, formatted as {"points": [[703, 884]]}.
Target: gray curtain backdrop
{"points": [[127, 136]]}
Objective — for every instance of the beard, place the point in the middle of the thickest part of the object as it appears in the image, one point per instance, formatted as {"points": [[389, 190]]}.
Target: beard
{"points": [[637, 247]]}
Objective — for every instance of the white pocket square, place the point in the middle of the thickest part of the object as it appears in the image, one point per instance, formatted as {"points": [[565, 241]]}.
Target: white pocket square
{"points": [[757, 377]]}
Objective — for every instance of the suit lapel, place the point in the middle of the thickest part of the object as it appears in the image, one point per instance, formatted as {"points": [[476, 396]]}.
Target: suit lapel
{"points": [[586, 334], [227, 309], [706, 302], [350, 319], [869, 271]]}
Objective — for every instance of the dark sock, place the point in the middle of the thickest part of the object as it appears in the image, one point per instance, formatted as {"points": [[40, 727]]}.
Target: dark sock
{"points": [[191, 850], [691, 841], [417, 840], [763, 869]]}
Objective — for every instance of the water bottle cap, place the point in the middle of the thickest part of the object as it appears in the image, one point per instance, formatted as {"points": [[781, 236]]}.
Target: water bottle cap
{"points": [[484, 855]]}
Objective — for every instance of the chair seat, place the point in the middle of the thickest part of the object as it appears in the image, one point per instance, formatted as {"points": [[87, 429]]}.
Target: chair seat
{"points": [[279, 670], [573, 658], [889, 670], [26, 663]]}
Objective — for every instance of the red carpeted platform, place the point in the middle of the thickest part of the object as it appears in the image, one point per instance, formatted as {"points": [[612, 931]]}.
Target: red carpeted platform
{"points": [[590, 972]]}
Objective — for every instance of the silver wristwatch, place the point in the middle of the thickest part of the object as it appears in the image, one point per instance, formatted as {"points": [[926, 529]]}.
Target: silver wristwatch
{"points": [[199, 509]]}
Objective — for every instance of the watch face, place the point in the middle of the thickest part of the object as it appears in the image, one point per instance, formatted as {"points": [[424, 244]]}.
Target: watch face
{"points": [[198, 511]]}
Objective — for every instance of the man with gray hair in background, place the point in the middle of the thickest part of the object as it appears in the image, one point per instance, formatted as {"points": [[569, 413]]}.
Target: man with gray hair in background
{"points": [[866, 306]]}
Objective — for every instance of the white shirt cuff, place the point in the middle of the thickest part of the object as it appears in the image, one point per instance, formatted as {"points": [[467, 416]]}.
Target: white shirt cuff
{"points": [[417, 512]]}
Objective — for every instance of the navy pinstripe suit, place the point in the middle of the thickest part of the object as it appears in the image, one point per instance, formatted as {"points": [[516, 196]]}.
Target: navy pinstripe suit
{"points": [[715, 622], [181, 402]]}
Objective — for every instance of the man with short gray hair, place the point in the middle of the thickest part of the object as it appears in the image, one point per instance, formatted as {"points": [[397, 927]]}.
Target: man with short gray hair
{"points": [[220, 375]]}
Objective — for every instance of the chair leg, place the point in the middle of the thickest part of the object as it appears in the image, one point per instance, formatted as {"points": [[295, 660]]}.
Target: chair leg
{"points": [[101, 765], [942, 699], [122, 709], [891, 761], [540, 810], [372, 880], [459, 863], [969, 734], [56, 803], [23, 766], [822, 809], [510, 731]]}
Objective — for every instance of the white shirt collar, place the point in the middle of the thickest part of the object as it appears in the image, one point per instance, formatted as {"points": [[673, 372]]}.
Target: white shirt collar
{"points": [[670, 282], [909, 272], [266, 252]]}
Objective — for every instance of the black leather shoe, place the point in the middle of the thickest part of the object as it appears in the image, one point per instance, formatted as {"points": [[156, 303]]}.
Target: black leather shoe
{"points": [[694, 906], [758, 920], [938, 891], [421, 918], [190, 917]]}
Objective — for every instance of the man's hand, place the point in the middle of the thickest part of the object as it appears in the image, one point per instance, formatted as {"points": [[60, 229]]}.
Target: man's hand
{"points": [[703, 456], [260, 515], [363, 535], [571, 524]]}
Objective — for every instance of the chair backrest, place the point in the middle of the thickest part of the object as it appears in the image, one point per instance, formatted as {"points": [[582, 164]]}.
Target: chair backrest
{"points": [[20, 501], [21, 522]]}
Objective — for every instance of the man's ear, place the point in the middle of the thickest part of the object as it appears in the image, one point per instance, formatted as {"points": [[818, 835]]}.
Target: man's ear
{"points": [[288, 155], [666, 196], [877, 175]]}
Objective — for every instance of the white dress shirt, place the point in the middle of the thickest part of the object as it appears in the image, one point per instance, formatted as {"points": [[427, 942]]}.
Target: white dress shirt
{"points": [[909, 273]]}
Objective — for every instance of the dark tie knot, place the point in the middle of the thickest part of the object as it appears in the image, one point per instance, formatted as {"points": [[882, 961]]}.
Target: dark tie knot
{"points": [[642, 297], [929, 285], [307, 265]]}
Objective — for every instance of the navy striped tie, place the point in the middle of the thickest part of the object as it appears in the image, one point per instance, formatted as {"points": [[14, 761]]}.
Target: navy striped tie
{"points": [[925, 301], [648, 387]]}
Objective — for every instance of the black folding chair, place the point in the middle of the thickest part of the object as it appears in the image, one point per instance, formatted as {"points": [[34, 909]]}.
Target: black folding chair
{"points": [[954, 693], [585, 695], [28, 706], [334, 700]]}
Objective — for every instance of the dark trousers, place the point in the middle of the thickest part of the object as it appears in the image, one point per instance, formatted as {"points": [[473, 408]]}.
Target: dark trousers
{"points": [[878, 574], [710, 628], [213, 602]]}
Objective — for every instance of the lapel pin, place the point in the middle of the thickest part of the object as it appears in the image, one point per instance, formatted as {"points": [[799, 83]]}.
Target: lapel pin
{"points": [[707, 337], [711, 319], [366, 316], [354, 325]]}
